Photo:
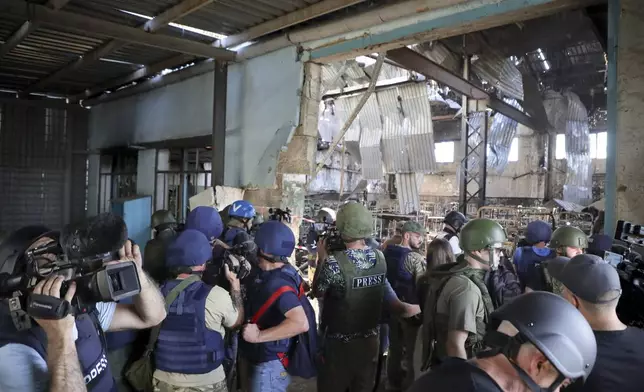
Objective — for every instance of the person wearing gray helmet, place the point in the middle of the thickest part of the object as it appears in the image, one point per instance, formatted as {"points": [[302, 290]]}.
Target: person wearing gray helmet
{"points": [[538, 342], [593, 287]]}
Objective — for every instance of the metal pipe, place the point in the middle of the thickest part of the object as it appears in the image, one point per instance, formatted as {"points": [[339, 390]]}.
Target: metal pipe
{"points": [[352, 117]]}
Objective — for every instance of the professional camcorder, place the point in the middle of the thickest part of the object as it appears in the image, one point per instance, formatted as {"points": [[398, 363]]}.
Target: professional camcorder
{"points": [[626, 256], [78, 252], [329, 232], [280, 215]]}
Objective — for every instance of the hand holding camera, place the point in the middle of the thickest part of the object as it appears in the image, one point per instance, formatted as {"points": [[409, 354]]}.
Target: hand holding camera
{"points": [[48, 291]]}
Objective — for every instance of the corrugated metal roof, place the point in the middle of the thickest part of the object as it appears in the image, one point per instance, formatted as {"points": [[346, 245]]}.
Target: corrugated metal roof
{"points": [[50, 48], [407, 140], [371, 125], [408, 191]]}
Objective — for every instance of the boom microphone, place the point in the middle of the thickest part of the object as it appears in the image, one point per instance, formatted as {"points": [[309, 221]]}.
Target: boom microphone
{"points": [[104, 233]]}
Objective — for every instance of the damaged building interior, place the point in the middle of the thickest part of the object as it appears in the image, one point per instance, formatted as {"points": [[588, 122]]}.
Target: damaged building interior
{"points": [[544, 124], [511, 110]]}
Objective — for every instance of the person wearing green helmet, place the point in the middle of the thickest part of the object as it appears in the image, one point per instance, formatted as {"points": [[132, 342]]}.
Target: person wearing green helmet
{"points": [[569, 241], [458, 302], [165, 231], [353, 284], [404, 266]]}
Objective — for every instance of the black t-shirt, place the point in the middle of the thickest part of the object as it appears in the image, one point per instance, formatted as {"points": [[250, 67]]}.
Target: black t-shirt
{"points": [[456, 376], [620, 363]]}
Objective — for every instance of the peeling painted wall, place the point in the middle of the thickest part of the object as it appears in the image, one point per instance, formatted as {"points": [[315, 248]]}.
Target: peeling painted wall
{"points": [[263, 105]]}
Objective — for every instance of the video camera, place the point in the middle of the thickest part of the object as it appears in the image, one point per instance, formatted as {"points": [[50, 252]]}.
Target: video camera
{"points": [[280, 215], [79, 251], [329, 232], [626, 256]]}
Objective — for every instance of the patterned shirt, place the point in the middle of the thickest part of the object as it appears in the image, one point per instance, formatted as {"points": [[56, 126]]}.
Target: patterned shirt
{"points": [[332, 283]]}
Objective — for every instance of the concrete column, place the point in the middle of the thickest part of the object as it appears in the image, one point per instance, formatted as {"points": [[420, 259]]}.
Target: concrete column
{"points": [[624, 175], [298, 160]]}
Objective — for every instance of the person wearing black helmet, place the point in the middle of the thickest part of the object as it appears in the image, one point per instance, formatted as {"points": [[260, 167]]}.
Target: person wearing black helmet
{"points": [[537, 343], [454, 221], [594, 288]]}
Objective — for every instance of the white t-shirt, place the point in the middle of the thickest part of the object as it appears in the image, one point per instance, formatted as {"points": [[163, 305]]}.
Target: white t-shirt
{"points": [[454, 242]]}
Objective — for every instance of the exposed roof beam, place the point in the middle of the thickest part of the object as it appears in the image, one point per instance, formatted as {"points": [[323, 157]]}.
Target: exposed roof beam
{"points": [[110, 46], [27, 28], [416, 62], [290, 19], [173, 13], [136, 75]]}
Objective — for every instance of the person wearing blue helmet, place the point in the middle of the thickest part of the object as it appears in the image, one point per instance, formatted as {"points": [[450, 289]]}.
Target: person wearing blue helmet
{"points": [[538, 235], [208, 221], [189, 351], [240, 214], [267, 339], [237, 230]]}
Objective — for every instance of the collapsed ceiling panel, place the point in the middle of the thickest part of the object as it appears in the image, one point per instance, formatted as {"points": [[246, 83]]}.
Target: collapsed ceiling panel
{"points": [[407, 140]]}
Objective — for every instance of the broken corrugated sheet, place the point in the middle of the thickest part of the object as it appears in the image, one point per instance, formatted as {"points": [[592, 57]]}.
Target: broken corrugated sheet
{"points": [[344, 108], [556, 110], [439, 54], [408, 191], [371, 154], [407, 139], [579, 181], [500, 135]]}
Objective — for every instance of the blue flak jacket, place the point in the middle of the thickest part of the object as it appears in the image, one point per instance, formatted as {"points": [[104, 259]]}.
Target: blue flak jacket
{"points": [[90, 346], [185, 344]]}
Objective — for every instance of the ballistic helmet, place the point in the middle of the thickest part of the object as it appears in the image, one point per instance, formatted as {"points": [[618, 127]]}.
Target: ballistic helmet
{"points": [[538, 231], [354, 221], [325, 215], [480, 234], [225, 218], [274, 238], [552, 325], [241, 209], [569, 236], [206, 220], [191, 248], [15, 244], [162, 217], [455, 219]]}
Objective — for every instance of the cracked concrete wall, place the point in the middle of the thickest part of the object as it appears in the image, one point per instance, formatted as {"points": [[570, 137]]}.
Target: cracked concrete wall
{"points": [[630, 101]]}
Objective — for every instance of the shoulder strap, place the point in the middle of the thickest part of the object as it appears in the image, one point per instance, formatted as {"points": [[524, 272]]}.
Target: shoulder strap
{"points": [[270, 301], [169, 299]]}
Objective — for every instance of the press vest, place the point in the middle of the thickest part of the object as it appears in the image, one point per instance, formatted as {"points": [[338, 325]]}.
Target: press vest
{"points": [[401, 280], [435, 325], [90, 347], [185, 344], [265, 284], [528, 258], [360, 308]]}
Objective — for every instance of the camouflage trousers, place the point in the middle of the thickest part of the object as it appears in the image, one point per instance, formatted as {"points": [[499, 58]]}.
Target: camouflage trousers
{"points": [[160, 386]]}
